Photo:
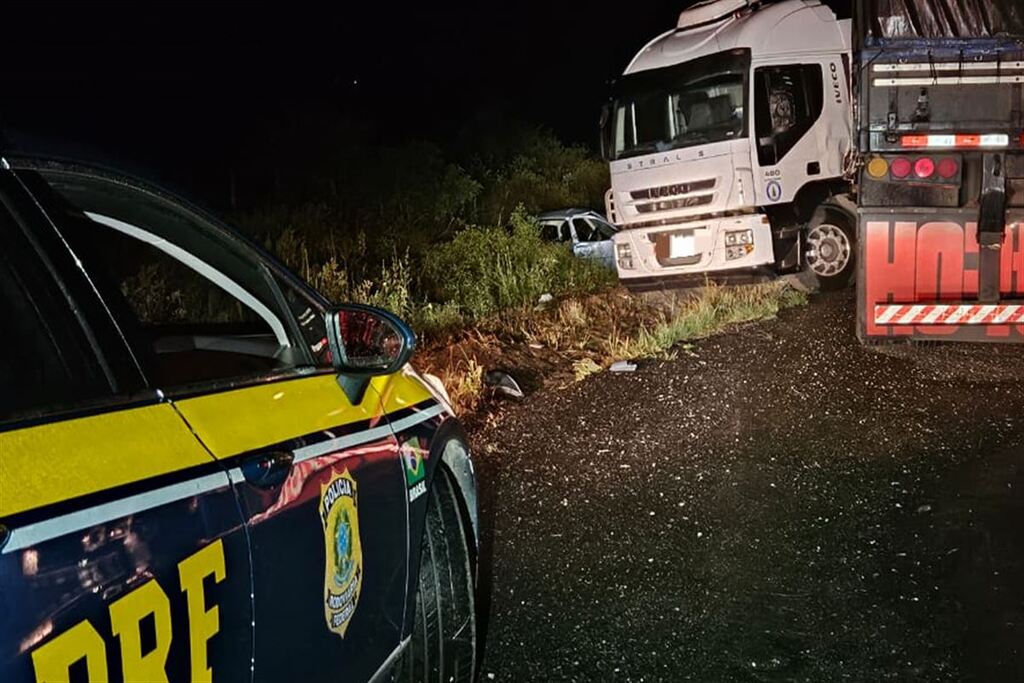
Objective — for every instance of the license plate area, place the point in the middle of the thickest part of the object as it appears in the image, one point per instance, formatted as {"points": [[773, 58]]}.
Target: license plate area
{"points": [[676, 247]]}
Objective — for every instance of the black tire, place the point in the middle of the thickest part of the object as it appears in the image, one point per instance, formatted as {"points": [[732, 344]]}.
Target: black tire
{"points": [[443, 646], [830, 248]]}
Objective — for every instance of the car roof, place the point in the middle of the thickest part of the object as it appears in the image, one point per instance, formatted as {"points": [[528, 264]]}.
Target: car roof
{"points": [[561, 214]]}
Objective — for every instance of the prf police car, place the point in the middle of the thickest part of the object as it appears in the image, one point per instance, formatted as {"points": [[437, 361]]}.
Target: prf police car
{"points": [[207, 472]]}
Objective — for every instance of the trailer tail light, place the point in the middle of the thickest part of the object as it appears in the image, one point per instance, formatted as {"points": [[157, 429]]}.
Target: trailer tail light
{"points": [[948, 168], [992, 140], [900, 167], [878, 168], [924, 168]]}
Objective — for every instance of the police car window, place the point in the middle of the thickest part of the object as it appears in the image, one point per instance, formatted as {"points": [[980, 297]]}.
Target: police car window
{"points": [[310, 319], [46, 362], [195, 304]]}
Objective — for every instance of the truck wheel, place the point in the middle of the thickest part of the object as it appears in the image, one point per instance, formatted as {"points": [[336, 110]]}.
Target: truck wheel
{"points": [[443, 645], [829, 248]]}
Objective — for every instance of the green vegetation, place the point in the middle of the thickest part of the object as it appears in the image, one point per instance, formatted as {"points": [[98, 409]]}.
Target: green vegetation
{"points": [[441, 242], [711, 310]]}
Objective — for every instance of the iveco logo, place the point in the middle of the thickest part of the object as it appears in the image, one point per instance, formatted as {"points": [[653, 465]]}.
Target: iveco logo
{"points": [[667, 191], [836, 90]]}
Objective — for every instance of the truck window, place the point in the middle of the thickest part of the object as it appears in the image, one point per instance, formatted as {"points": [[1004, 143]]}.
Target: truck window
{"points": [[787, 101]]}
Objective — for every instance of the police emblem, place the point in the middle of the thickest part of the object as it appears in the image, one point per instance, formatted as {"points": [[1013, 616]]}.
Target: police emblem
{"points": [[343, 573]]}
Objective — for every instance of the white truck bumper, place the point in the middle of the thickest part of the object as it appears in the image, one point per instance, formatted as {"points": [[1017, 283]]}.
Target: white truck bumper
{"points": [[741, 244]]}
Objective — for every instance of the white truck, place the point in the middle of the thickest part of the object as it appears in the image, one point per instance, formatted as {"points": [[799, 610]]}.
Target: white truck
{"points": [[728, 139]]}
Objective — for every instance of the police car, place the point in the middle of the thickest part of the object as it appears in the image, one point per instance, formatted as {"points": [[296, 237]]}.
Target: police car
{"points": [[207, 471]]}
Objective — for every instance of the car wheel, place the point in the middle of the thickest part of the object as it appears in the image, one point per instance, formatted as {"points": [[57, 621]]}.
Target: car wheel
{"points": [[829, 249], [443, 645]]}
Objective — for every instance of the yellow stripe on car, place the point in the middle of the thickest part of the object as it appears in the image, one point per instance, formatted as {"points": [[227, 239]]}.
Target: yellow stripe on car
{"points": [[54, 462], [400, 390], [234, 422]]}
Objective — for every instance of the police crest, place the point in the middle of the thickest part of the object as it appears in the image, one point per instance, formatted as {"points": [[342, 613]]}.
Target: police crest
{"points": [[343, 573]]}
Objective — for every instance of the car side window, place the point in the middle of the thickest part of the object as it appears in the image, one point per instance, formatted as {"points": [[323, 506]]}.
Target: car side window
{"points": [[195, 304], [47, 362], [564, 235], [787, 101], [602, 230], [584, 231]]}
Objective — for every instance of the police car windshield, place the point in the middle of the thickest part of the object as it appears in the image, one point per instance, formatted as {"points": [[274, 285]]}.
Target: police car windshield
{"points": [[686, 104]]}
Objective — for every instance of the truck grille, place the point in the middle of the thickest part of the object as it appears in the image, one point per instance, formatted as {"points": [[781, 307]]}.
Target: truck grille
{"points": [[673, 190], [673, 204]]}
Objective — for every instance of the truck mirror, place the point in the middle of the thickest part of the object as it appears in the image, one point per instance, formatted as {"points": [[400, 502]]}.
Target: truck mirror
{"points": [[606, 132]]}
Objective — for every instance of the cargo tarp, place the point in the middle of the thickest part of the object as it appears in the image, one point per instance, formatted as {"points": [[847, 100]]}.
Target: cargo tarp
{"points": [[901, 19]]}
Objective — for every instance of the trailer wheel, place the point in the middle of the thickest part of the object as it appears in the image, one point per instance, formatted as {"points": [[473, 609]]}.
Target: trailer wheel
{"points": [[829, 251]]}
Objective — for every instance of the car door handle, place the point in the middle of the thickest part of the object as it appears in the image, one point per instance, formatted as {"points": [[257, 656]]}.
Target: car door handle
{"points": [[268, 470]]}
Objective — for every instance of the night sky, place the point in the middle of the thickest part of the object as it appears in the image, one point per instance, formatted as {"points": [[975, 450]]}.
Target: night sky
{"points": [[183, 91]]}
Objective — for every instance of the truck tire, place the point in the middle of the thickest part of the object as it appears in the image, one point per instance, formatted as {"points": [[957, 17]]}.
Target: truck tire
{"points": [[443, 643], [829, 248]]}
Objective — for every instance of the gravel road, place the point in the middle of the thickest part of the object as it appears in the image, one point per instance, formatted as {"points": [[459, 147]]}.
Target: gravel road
{"points": [[773, 504]]}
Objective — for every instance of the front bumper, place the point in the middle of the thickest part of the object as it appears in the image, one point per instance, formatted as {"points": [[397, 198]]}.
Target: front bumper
{"points": [[652, 262]]}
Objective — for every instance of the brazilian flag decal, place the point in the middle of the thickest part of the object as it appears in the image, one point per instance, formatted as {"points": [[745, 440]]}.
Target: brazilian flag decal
{"points": [[414, 455]]}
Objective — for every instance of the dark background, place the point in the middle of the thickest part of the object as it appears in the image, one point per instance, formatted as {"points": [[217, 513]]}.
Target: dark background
{"points": [[189, 92]]}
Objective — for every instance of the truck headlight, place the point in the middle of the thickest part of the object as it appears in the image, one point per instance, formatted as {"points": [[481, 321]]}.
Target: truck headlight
{"points": [[735, 237], [624, 255]]}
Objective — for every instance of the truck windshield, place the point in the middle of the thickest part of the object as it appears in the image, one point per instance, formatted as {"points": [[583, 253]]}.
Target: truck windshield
{"points": [[686, 104]]}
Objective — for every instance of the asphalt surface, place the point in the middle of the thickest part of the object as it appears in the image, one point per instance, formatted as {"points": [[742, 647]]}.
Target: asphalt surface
{"points": [[776, 504]]}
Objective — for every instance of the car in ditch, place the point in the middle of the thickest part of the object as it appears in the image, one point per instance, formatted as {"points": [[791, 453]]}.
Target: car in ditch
{"points": [[207, 470], [587, 232]]}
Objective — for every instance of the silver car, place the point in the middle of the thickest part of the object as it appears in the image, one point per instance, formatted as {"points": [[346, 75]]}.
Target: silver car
{"points": [[589, 233]]}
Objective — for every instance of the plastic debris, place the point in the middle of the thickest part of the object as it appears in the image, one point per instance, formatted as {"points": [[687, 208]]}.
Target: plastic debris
{"points": [[503, 383], [623, 366]]}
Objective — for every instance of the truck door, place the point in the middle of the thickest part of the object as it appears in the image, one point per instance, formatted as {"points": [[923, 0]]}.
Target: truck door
{"points": [[122, 549], [788, 102]]}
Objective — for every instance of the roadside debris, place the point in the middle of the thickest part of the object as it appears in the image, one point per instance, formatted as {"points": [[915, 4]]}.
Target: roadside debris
{"points": [[623, 366], [503, 384]]}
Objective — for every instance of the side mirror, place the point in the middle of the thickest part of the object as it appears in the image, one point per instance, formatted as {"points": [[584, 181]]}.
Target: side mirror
{"points": [[366, 341], [606, 132]]}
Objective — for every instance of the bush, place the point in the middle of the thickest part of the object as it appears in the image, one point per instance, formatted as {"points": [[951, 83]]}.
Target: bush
{"points": [[484, 270]]}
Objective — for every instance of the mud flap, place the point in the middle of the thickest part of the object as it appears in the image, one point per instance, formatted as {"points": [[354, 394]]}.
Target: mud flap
{"points": [[991, 227]]}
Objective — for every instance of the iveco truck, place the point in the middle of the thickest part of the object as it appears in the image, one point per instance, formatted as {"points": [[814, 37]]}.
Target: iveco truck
{"points": [[729, 139], [941, 192]]}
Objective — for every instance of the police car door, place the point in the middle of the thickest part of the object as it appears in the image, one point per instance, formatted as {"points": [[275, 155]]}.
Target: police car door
{"points": [[122, 550], [241, 351]]}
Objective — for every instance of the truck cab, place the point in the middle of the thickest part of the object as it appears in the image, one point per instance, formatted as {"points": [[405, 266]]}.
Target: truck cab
{"points": [[727, 139]]}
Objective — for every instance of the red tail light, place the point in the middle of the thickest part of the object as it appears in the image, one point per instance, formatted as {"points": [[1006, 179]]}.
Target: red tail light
{"points": [[900, 167], [948, 167], [924, 167]]}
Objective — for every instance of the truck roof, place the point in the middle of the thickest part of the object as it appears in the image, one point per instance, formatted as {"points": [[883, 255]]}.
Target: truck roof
{"points": [[789, 27]]}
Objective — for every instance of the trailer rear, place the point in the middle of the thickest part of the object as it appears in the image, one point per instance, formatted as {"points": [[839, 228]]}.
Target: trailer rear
{"points": [[940, 202]]}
